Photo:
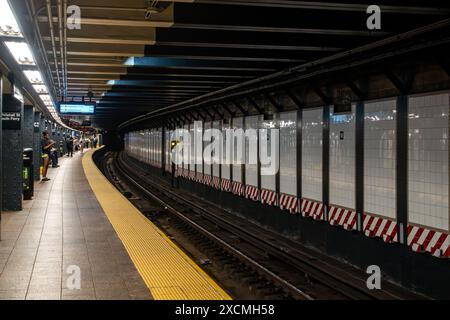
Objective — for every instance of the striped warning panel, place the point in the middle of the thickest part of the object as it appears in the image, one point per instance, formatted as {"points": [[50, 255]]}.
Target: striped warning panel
{"points": [[226, 185], [215, 182], [384, 228], [252, 192], [289, 202], [199, 177], [421, 239], [207, 179], [312, 209], [237, 188], [343, 217], [269, 197], [192, 175]]}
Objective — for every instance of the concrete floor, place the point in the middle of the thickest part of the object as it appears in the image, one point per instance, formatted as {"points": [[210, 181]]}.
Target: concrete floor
{"points": [[64, 229]]}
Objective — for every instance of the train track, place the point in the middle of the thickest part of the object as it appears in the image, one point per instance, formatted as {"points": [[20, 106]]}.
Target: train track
{"points": [[277, 268]]}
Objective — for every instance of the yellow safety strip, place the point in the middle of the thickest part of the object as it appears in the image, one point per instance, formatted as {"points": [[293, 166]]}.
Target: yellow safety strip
{"points": [[167, 271]]}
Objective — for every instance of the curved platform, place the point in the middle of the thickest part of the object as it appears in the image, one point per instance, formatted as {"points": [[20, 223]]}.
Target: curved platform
{"points": [[167, 271]]}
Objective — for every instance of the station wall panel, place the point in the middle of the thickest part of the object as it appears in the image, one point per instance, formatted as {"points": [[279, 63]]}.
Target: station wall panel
{"points": [[207, 157], [238, 123], [288, 153], [186, 150], [380, 158], [342, 159], [198, 146], [216, 158], [168, 164], [251, 169], [193, 157], [226, 153], [428, 188], [268, 181], [312, 152]]}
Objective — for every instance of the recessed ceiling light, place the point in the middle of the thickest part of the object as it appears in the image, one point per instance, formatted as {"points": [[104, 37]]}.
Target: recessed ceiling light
{"points": [[8, 22], [21, 52]]}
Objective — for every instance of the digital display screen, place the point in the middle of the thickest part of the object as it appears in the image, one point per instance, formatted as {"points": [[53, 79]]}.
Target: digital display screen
{"points": [[72, 108]]}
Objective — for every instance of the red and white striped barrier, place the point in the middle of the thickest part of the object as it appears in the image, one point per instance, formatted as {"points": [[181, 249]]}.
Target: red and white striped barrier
{"points": [[268, 197], [226, 185], [252, 192], [237, 188], [421, 239], [207, 179], [199, 177], [215, 182], [342, 217], [380, 227], [192, 175], [312, 209], [288, 202]]}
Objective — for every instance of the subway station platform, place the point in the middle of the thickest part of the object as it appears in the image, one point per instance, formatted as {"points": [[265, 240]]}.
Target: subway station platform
{"points": [[68, 226]]}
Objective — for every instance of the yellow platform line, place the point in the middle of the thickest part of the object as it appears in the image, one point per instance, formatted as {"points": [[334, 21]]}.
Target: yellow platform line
{"points": [[167, 271]]}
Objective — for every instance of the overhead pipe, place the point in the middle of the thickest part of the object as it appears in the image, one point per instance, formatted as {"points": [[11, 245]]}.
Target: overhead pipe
{"points": [[52, 37], [61, 46], [40, 44], [65, 43]]}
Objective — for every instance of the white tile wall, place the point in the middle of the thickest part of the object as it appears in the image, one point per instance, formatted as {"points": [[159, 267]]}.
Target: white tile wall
{"points": [[216, 166], [237, 169], [251, 170], [288, 153], [226, 168], [186, 151], [193, 155], [380, 158], [428, 161], [342, 159], [268, 182], [312, 144], [207, 157], [198, 144]]}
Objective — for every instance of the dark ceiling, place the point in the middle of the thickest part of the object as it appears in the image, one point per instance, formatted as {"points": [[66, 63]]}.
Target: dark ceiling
{"points": [[193, 48]]}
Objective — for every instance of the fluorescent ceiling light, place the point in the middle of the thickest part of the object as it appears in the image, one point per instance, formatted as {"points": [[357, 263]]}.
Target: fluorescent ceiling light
{"points": [[8, 22], [21, 52], [40, 88], [34, 77]]}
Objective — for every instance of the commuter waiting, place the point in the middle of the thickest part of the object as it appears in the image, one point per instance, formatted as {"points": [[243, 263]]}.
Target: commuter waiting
{"points": [[47, 146], [69, 145]]}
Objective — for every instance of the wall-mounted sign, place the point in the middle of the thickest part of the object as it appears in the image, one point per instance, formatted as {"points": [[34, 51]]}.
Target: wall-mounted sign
{"points": [[11, 113]]}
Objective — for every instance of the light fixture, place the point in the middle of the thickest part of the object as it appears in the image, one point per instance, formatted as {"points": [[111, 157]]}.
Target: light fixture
{"points": [[40, 88], [21, 52], [8, 22], [34, 77]]}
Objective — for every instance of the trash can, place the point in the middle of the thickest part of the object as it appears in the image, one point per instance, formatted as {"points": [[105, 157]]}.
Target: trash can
{"points": [[28, 181]]}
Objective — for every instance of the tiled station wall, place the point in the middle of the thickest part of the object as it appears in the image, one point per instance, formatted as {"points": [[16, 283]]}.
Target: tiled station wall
{"points": [[427, 225]]}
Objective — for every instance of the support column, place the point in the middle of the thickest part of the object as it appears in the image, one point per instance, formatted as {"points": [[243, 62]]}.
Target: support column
{"points": [[28, 126], [299, 145], [163, 151], [1, 152], [12, 160], [359, 163], [326, 160], [37, 134], [402, 166]]}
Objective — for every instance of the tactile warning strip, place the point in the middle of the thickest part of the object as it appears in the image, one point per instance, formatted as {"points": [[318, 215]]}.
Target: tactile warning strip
{"points": [[168, 272]]}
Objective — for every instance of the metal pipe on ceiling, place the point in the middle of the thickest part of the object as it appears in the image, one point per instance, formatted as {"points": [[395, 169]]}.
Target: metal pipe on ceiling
{"points": [[52, 36], [62, 51], [65, 42], [40, 44]]}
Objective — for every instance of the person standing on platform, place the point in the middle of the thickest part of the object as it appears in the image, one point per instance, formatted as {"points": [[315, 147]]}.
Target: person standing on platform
{"points": [[47, 146], [70, 147]]}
